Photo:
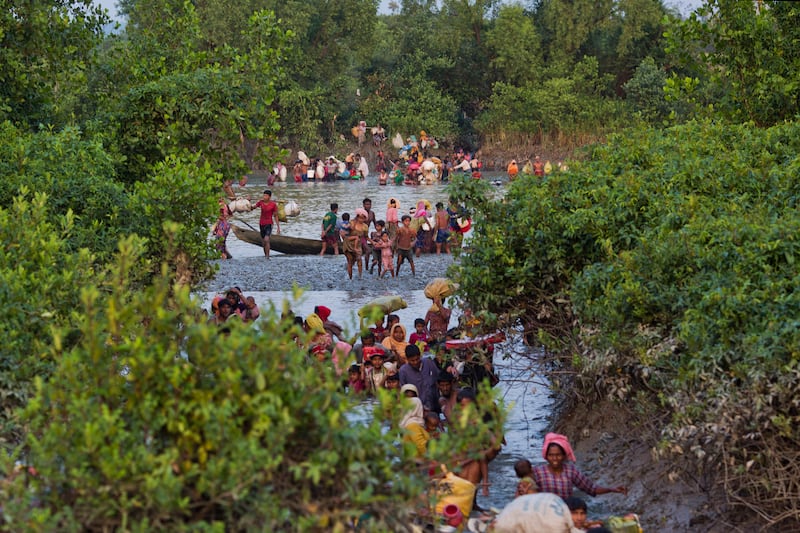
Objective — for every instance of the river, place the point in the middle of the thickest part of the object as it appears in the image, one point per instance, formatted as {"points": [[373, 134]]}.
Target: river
{"points": [[525, 395]]}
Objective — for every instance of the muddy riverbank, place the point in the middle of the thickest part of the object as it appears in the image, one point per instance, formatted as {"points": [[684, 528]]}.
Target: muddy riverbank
{"points": [[282, 272]]}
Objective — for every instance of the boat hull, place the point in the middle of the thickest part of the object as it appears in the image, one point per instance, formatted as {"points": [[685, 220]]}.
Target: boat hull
{"points": [[281, 243]]}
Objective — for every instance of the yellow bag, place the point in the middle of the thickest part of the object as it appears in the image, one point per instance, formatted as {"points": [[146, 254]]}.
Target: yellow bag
{"points": [[381, 306], [282, 211], [439, 288], [455, 490]]}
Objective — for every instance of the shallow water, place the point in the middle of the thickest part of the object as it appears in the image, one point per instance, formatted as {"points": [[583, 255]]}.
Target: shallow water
{"points": [[526, 396], [315, 198]]}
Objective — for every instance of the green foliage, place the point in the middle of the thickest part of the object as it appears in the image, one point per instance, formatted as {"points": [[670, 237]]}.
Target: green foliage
{"points": [[668, 259], [745, 57], [175, 205], [567, 105], [45, 47], [40, 280], [516, 46], [156, 420], [76, 174], [645, 92]]}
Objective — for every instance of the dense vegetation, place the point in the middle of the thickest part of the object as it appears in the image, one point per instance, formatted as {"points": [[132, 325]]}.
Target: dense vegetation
{"points": [[662, 266]]}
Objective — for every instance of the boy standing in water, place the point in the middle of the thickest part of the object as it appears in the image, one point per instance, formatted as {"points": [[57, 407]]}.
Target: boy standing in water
{"points": [[269, 213], [329, 234], [405, 240], [375, 239], [442, 229]]}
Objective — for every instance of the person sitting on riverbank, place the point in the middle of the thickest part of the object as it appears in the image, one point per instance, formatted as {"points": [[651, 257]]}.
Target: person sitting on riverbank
{"points": [[366, 347], [413, 422], [447, 394], [223, 313], [355, 383], [559, 475]]}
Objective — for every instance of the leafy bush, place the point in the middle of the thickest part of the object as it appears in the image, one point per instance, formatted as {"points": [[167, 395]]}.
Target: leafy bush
{"points": [[175, 206], [76, 174], [665, 264], [156, 420], [40, 281]]}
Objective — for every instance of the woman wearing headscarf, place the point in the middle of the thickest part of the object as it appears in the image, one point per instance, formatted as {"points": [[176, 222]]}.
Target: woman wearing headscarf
{"points": [[413, 423], [396, 343], [321, 341], [559, 475], [331, 327]]}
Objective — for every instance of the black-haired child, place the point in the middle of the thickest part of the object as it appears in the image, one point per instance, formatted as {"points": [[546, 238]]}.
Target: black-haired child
{"points": [[578, 509], [526, 485], [420, 337]]}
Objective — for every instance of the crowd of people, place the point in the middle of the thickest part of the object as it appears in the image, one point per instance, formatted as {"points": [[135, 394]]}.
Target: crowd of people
{"points": [[438, 380], [387, 243]]}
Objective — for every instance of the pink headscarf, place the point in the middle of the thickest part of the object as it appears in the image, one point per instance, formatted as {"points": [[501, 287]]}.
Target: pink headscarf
{"points": [[561, 440], [420, 212], [362, 212]]}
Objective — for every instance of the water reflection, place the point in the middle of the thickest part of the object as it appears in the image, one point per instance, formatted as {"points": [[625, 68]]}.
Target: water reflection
{"points": [[315, 198], [526, 396]]}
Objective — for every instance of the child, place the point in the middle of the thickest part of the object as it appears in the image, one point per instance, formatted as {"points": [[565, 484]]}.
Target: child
{"points": [[433, 425], [344, 226], [526, 484], [405, 241], [420, 336], [374, 373], [355, 383], [577, 507], [375, 240], [392, 382], [251, 312], [391, 320], [392, 217], [378, 331], [384, 246]]}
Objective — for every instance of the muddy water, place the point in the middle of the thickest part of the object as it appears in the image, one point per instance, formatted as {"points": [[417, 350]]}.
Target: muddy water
{"points": [[270, 282], [315, 198]]}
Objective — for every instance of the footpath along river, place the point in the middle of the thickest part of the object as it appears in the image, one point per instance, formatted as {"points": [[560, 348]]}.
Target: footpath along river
{"points": [[325, 282]]}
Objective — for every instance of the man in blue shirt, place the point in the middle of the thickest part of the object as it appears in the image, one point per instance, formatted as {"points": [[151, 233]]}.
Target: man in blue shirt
{"points": [[421, 372]]}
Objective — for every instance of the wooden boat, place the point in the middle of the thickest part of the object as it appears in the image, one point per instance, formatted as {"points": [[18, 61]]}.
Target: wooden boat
{"points": [[281, 243], [299, 245]]}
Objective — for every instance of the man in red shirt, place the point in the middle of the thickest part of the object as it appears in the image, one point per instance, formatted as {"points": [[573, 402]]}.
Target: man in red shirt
{"points": [[269, 212]]}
